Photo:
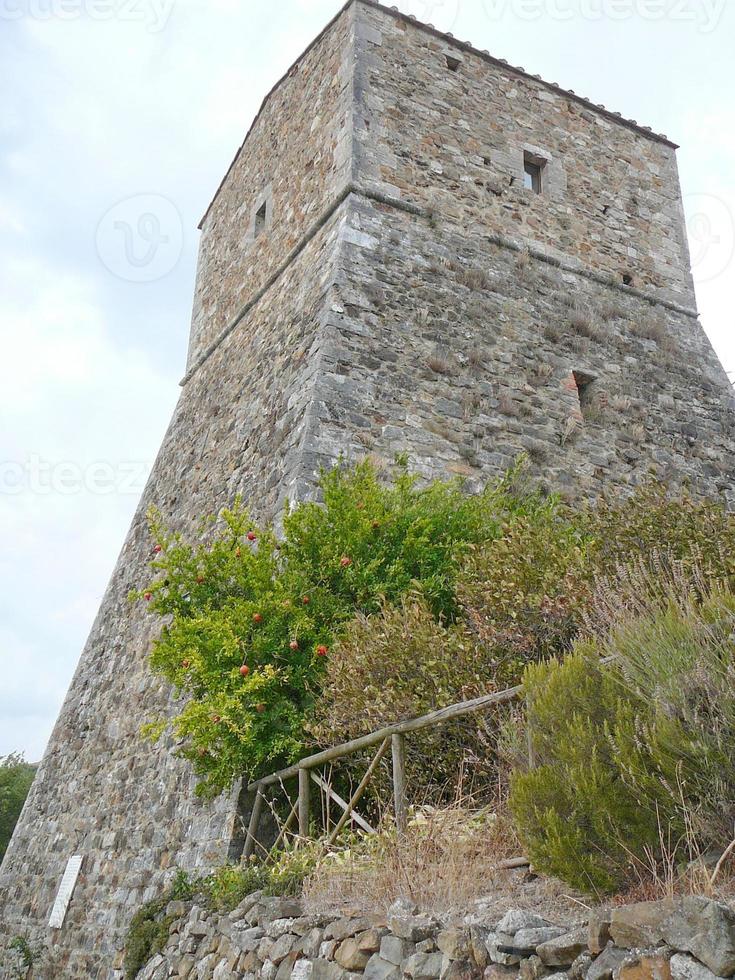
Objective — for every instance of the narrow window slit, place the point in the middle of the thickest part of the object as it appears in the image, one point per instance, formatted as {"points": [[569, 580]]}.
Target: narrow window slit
{"points": [[261, 218], [586, 390], [453, 63]]}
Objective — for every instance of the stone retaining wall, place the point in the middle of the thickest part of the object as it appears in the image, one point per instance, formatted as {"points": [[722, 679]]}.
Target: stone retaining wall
{"points": [[274, 939]]}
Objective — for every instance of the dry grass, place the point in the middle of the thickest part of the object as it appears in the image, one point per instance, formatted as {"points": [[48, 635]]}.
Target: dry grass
{"points": [[585, 324], [449, 863], [476, 357], [541, 374], [428, 864], [652, 327], [474, 278], [506, 406], [440, 364]]}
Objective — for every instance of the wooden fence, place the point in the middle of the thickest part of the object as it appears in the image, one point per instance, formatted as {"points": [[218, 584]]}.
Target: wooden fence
{"points": [[393, 737]]}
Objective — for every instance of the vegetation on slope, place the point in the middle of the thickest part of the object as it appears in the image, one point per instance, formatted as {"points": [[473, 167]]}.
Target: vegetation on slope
{"points": [[388, 600]]}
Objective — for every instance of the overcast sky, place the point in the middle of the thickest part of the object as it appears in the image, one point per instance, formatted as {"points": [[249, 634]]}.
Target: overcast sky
{"points": [[117, 109]]}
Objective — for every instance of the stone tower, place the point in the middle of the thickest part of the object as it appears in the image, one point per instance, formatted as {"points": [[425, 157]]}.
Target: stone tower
{"points": [[417, 248]]}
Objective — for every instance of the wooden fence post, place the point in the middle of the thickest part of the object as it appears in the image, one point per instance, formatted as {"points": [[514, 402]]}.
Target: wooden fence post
{"points": [[252, 837], [304, 787], [398, 745]]}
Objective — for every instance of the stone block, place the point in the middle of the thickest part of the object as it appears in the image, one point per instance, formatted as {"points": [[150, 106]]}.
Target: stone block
{"points": [[370, 940], [493, 944], [706, 929], [564, 950], [598, 930], [684, 967], [285, 967], [460, 970], [414, 928], [347, 926], [517, 919], [607, 963], [423, 966], [531, 938], [395, 950], [454, 943], [380, 969], [350, 956], [532, 969], [646, 966]]}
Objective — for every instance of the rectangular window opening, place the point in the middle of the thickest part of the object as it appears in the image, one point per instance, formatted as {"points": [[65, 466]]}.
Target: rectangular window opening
{"points": [[261, 218], [453, 63], [627, 279], [533, 168], [586, 393]]}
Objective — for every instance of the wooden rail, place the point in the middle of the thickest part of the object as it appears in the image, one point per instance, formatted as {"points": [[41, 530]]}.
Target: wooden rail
{"points": [[393, 737]]}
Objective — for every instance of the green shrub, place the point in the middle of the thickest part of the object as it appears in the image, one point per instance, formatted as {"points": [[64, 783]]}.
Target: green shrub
{"points": [[635, 758], [16, 777], [662, 529], [527, 591], [523, 592], [398, 664], [239, 599]]}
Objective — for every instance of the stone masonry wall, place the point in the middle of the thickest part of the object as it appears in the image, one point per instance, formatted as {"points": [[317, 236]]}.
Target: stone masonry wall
{"points": [[276, 939], [454, 141], [465, 353]]}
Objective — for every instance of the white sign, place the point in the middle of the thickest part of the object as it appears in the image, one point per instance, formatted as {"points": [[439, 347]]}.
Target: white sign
{"points": [[66, 889]]}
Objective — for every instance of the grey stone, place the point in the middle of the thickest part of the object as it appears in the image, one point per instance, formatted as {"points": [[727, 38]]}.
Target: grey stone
{"points": [[423, 966], [347, 926], [531, 938], [706, 929], [302, 970], [532, 969], [380, 969], [278, 927], [414, 928], [606, 963], [685, 967], [247, 939], [493, 943], [281, 947], [598, 930], [285, 968], [564, 950], [517, 919], [322, 970], [395, 950]]}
